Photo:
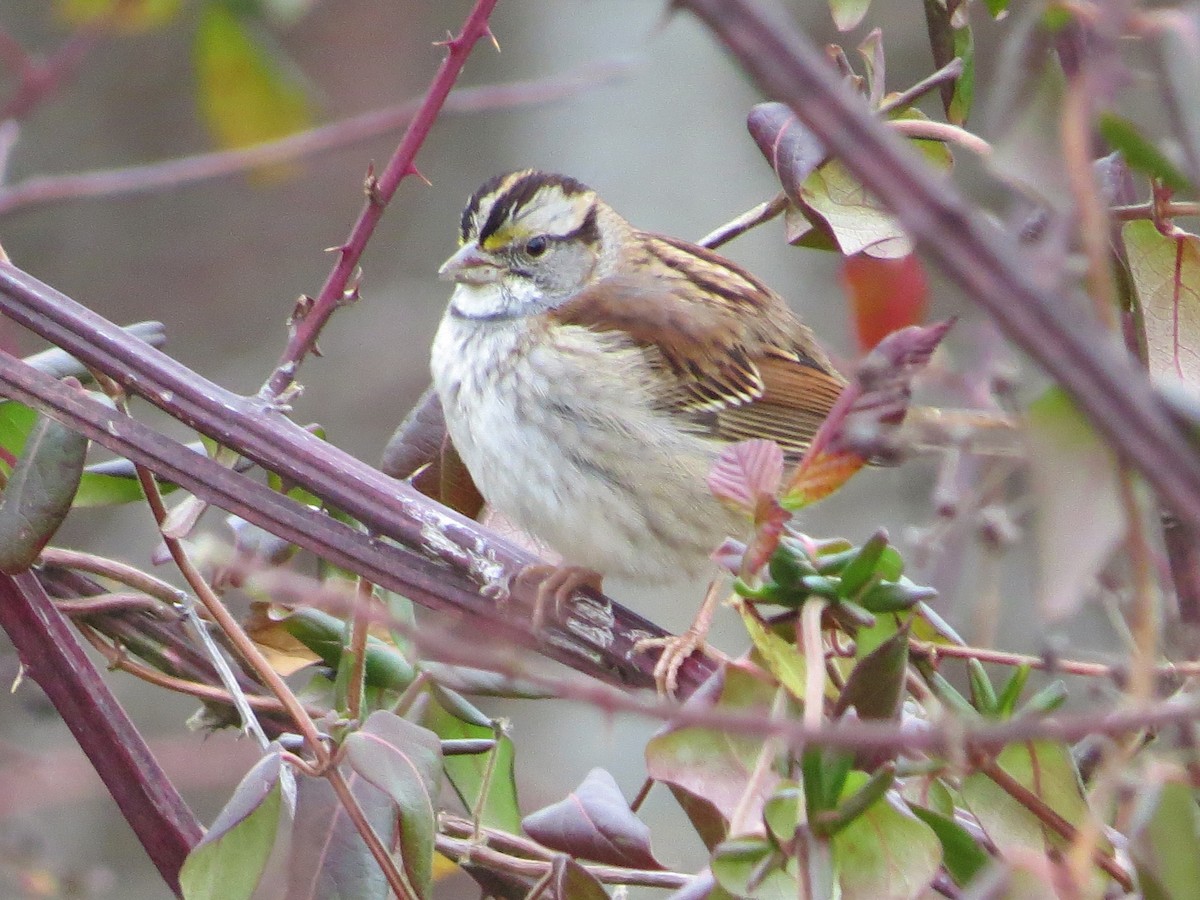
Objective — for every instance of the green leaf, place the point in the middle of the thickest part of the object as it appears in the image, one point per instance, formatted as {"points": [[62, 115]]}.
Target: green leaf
{"points": [[875, 688], [751, 867], [323, 634], [16, 421], [125, 15], [781, 657], [824, 771], [887, 852], [963, 858], [1047, 770], [246, 95], [1166, 278], [782, 812], [39, 492], [1006, 703], [1080, 517], [111, 490], [964, 88], [847, 14], [229, 860], [467, 774], [983, 695], [1141, 155], [856, 805], [842, 208], [950, 38], [715, 765], [859, 570], [404, 761], [1165, 845]]}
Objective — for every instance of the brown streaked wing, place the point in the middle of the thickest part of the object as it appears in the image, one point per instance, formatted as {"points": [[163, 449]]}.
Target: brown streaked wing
{"points": [[730, 358]]}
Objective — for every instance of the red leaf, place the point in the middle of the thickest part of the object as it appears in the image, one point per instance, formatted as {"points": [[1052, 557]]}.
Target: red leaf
{"points": [[865, 416], [885, 294]]}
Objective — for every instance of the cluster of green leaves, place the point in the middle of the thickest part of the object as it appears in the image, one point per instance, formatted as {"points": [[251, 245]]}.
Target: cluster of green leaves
{"points": [[857, 581], [397, 760]]}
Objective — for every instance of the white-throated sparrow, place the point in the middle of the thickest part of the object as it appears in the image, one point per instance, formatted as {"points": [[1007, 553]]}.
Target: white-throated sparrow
{"points": [[590, 373]]}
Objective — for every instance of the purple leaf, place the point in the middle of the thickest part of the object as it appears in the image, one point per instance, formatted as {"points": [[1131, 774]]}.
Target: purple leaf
{"points": [[326, 855], [876, 400], [405, 761], [745, 473], [571, 881], [594, 822], [792, 151]]}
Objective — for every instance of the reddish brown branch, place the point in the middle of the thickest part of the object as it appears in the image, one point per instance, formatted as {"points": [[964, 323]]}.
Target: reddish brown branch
{"points": [[337, 287], [37, 78], [975, 253], [50, 654], [454, 555]]}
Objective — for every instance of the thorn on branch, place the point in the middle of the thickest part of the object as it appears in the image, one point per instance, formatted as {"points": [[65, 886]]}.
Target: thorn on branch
{"points": [[371, 186], [304, 304]]}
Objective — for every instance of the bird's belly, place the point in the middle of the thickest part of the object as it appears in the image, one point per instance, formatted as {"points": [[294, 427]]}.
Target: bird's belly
{"points": [[570, 449]]}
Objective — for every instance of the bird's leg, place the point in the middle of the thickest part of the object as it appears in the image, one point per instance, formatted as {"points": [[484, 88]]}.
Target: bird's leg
{"points": [[556, 585], [677, 648]]}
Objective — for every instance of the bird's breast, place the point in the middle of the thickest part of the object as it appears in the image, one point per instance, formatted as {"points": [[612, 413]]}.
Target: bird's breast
{"points": [[560, 433]]}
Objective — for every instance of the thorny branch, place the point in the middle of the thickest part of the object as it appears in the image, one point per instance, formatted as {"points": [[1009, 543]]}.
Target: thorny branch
{"points": [[975, 253]]}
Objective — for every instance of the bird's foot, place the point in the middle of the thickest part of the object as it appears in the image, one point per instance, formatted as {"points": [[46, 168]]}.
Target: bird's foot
{"points": [[556, 586], [676, 648]]}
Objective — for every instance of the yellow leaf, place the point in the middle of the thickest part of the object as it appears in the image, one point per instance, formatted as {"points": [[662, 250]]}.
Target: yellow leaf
{"points": [[284, 652], [129, 16], [246, 96]]}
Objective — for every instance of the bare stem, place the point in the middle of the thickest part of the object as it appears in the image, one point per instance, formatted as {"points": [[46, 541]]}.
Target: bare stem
{"points": [[337, 287], [983, 260], [1052, 819], [170, 174]]}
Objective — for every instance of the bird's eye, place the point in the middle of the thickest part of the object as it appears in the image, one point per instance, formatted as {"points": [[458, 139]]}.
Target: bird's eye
{"points": [[537, 245]]}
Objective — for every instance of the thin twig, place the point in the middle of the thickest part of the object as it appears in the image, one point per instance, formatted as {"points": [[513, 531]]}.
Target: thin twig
{"points": [[947, 74], [751, 218], [935, 652], [1051, 819], [103, 567], [311, 318], [1149, 210], [941, 131], [976, 253], [117, 659], [465, 849], [182, 171]]}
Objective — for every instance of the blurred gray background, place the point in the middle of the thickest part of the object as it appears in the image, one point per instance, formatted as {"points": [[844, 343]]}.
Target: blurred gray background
{"points": [[221, 264]]}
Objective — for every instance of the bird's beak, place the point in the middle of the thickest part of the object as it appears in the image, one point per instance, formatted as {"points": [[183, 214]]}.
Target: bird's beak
{"points": [[470, 265]]}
